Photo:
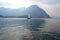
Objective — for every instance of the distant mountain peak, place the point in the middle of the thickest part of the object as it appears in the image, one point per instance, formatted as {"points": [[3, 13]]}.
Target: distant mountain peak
{"points": [[34, 6], [34, 10], [37, 12]]}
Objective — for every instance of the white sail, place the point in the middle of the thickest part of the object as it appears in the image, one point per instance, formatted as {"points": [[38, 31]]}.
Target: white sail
{"points": [[29, 17]]}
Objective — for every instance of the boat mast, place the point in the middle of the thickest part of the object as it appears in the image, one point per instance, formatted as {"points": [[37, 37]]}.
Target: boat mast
{"points": [[28, 17]]}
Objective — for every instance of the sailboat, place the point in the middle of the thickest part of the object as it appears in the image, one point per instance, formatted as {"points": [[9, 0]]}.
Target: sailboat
{"points": [[28, 17]]}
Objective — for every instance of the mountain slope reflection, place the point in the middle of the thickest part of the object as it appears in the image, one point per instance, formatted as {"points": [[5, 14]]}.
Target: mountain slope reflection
{"points": [[35, 24]]}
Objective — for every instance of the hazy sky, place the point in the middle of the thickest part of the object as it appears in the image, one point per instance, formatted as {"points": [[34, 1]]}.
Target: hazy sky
{"points": [[48, 1], [52, 7]]}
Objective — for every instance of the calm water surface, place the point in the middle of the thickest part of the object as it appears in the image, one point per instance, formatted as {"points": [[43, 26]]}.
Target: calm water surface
{"points": [[34, 29]]}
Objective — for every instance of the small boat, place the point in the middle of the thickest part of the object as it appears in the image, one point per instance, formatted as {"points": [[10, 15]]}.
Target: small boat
{"points": [[28, 17]]}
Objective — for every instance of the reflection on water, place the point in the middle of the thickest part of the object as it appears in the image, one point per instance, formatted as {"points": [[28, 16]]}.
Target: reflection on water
{"points": [[34, 29]]}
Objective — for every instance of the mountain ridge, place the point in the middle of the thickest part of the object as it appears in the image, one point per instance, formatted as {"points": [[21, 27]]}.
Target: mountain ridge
{"points": [[34, 10]]}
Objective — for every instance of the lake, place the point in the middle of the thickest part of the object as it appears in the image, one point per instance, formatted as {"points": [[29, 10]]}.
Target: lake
{"points": [[26, 29]]}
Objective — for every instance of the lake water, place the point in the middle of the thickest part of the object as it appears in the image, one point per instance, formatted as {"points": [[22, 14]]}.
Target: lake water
{"points": [[34, 29]]}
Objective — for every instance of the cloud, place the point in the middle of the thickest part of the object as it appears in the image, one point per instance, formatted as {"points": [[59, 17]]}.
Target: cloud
{"points": [[52, 10], [48, 1], [15, 3]]}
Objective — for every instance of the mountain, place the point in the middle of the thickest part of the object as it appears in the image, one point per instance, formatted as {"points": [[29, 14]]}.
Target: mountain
{"points": [[34, 10], [1, 16], [37, 12], [11, 12]]}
